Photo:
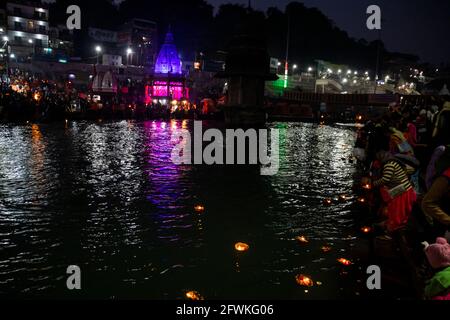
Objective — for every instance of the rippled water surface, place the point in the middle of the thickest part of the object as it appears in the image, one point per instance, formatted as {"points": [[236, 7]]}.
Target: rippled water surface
{"points": [[106, 197]]}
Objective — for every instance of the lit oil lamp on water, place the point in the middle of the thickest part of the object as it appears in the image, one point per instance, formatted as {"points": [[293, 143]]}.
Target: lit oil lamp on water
{"points": [[302, 239], [241, 247], [362, 200], [194, 295], [304, 281], [344, 261], [366, 229], [366, 184], [199, 208]]}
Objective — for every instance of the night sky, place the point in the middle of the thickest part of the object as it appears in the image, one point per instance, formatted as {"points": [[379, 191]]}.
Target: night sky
{"points": [[420, 27]]}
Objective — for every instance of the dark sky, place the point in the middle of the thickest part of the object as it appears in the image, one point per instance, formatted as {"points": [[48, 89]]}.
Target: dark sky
{"points": [[419, 27]]}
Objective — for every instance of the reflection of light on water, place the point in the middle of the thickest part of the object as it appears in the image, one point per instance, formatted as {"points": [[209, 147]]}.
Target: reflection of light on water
{"points": [[111, 193], [38, 152], [169, 186], [36, 132]]}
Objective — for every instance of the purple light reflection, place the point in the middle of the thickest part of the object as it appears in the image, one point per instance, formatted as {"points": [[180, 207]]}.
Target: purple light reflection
{"points": [[169, 188]]}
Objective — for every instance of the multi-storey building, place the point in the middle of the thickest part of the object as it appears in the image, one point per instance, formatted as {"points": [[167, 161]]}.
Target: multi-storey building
{"points": [[26, 27], [137, 42], [60, 41]]}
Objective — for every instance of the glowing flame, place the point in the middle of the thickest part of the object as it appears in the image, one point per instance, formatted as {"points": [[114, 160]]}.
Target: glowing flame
{"points": [[193, 295], [302, 239], [241, 247], [343, 198], [362, 200], [344, 262], [366, 229], [367, 186], [327, 202], [199, 208], [304, 281]]}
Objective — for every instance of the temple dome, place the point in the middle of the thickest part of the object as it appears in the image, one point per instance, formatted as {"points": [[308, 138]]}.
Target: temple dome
{"points": [[168, 60]]}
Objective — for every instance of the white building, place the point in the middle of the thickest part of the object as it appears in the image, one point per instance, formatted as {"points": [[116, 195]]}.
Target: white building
{"points": [[3, 43], [27, 27]]}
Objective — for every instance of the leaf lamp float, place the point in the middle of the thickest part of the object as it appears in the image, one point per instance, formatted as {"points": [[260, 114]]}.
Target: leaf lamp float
{"points": [[302, 239], [241, 247], [327, 202], [194, 295], [344, 261], [199, 208], [326, 249], [304, 281], [343, 198]]}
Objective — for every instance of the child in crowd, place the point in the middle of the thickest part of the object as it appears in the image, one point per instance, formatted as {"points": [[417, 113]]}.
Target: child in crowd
{"points": [[438, 255]]}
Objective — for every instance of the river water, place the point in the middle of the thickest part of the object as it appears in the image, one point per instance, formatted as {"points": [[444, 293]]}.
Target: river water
{"points": [[105, 196]]}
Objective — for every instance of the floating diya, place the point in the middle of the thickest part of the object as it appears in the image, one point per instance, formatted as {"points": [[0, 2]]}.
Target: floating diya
{"points": [[327, 202], [366, 186], [366, 229], [302, 239], [326, 249], [199, 208], [344, 261], [362, 200], [193, 295], [343, 198], [241, 247], [304, 281]]}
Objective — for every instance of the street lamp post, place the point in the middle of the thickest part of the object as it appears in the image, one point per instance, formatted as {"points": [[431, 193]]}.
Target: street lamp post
{"points": [[31, 42], [98, 50], [129, 53]]}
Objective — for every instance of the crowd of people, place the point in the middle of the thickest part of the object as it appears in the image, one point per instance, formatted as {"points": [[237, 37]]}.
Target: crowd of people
{"points": [[27, 99], [406, 153]]}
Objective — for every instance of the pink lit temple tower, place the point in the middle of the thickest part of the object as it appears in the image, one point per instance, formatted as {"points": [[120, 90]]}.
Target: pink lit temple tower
{"points": [[168, 81]]}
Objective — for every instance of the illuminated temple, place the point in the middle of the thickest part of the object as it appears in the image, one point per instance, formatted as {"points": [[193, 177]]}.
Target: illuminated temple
{"points": [[168, 83]]}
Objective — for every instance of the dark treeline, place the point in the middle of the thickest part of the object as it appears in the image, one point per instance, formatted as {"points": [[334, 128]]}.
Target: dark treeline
{"points": [[197, 28]]}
